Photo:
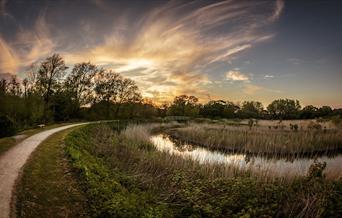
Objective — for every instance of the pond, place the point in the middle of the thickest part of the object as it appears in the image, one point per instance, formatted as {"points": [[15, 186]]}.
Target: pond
{"points": [[277, 167]]}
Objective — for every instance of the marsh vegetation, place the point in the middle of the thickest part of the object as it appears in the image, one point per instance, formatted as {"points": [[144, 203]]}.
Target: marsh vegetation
{"points": [[125, 175], [275, 139]]}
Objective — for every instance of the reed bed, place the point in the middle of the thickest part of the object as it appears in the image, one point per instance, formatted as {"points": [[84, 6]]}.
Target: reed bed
{"points": [[260, 140], [124, 179]]}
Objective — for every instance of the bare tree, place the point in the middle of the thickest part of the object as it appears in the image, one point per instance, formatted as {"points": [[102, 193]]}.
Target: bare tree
{"points": [[25, 84], [14, 86], [80, 82], [50, 72], [112, 87]]}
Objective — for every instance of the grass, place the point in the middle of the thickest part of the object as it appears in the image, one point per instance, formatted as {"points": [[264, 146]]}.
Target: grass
{"points": [[48, 187], [7, 142], [124, 176], [261, 140]]}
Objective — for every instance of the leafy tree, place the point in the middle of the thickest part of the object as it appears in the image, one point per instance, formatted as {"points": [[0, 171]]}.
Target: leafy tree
{"points": [[214, 109], [14, 86], [324, 111], [184, 105], [25, 85], [7, 126], [219, 108], [230, 110], [64, 106], [251, 109], [284, 109], [3, 87], [308, 112]]}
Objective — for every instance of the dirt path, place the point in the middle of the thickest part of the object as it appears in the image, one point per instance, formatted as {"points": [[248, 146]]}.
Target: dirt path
{"points": [[13, 160]]}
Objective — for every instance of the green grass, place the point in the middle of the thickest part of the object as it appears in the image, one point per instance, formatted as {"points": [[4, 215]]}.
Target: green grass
{"points": [[7, 142], [124, 177], [48, 187]]}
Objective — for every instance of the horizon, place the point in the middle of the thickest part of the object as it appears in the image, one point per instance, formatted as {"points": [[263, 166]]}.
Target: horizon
{"points": [[230, 50]]}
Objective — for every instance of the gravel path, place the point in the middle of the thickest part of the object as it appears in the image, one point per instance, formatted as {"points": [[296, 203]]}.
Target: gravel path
{"points": [[13, 160]]}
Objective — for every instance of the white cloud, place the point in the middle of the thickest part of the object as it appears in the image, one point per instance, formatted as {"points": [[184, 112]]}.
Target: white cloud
{"points": [[268, 76], [236, 76]]}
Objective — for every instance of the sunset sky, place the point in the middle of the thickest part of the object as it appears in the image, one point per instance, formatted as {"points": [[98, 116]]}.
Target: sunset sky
{"points": [[232, 50]]}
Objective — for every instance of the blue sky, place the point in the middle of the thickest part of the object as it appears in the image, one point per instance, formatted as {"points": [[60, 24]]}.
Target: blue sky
{"points": [[231, 50]]}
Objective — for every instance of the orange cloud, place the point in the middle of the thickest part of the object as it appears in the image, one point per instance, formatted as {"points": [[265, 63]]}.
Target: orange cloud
{"points": [[167, 50], [236, 76], [28, 47], [9, 62]]}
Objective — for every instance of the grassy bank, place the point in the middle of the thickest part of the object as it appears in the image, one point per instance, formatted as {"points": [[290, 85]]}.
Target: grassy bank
{"points": [[48, 187], [124, 176], [8, 142], [261, 140]]}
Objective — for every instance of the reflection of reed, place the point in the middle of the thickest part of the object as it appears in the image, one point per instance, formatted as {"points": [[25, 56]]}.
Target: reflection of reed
{"points": [[260, 141], [295, 166]]}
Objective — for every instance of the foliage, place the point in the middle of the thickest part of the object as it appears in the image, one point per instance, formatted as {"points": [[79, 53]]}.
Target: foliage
{"points": [[50, 93], [184, 105], [7, 126], [250, 109], [284, 109], [219, 108], [123, 179]]}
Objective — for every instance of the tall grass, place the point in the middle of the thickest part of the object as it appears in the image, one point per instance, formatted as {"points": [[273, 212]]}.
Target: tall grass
{"points": [[124, 179], [260, 140]]}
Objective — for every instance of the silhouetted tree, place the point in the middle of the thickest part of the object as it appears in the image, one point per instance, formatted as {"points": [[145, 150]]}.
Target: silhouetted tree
{"points": [[50, 72], [308, 112], [14, 86], [111, 87], [251, 109], [284, 109], [324, 111], [81, 82], [184, 105]]}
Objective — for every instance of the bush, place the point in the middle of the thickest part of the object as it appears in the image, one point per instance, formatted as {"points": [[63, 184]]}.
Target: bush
{"points": [[7, 126]]}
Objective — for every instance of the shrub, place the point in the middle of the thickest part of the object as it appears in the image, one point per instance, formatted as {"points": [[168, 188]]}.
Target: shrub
{"points": [[294, 127], [316, 170], [7, 126]]}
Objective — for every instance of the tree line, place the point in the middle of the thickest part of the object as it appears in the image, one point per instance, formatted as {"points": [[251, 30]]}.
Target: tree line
{"points": [[51, 92], [278, 109]]}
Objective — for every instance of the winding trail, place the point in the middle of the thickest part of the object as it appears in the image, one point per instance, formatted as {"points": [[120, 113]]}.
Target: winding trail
{"points": [[14, 159]]}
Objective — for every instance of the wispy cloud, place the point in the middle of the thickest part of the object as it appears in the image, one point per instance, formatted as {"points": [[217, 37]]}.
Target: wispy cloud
{"points": [[28, 47], [168, 48], [9, 62], [279, 7], [235, 75], [178, 46], [268, 76]]}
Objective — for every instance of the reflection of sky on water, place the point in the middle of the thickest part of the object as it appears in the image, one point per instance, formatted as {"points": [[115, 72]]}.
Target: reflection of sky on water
{"points": [[280, 167]]}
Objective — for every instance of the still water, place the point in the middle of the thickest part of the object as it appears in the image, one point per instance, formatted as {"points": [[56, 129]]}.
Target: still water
{"points": [[278, 167]]}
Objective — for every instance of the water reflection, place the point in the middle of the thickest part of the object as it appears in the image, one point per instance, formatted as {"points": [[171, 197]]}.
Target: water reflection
{"points": [[278, 167]]}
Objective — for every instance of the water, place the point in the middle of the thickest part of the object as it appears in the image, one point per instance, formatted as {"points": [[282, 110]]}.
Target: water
{"points": [[278, 167]]}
